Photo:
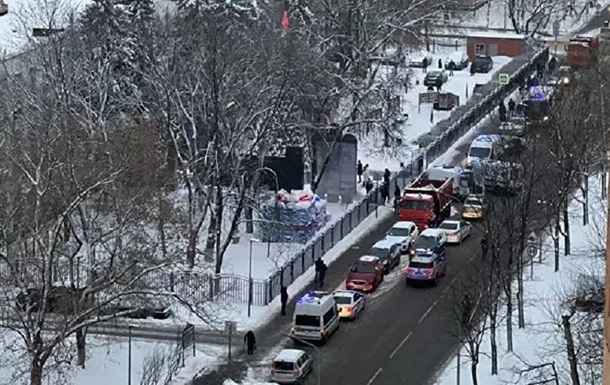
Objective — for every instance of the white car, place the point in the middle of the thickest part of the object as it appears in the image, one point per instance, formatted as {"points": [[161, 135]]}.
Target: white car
{"points": [[416, 59], [404, 234], [349, 303], [456, 231]]}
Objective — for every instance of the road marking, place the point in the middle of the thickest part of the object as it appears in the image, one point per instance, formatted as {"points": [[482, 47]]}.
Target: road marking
{"points": [[374, 376], [397, 348], [421, 319]]}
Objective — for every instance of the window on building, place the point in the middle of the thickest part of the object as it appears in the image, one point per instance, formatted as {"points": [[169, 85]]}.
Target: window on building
{"points": [[479, 49]]}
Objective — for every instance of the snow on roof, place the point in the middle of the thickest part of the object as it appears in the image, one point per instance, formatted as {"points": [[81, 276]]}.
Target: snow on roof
{"points": [[496, 35], [403, 225], [289, 355], [368, 258], [345, 293], [432, 232], [384, 244], [593, 33], [418, 196], [485, 141]]}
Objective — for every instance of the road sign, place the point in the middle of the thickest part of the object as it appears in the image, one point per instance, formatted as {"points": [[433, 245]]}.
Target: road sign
{"points": [[504, 79], [532, 251], [230, 327]]}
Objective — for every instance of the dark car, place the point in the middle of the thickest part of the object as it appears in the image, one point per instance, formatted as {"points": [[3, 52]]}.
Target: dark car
{"points": [[431, 240], [388, 253], [435, 78], [481, 64]]}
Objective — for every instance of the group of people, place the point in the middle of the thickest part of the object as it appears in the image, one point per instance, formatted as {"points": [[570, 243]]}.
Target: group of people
{"points": [[365, 178], [502, 110]]}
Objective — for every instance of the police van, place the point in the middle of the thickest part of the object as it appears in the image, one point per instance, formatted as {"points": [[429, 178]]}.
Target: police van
{"points": [[484, 148], [315, 317]]}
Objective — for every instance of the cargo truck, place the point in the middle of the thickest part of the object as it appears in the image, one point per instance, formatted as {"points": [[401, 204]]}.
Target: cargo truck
{"points": [[426, 202]]}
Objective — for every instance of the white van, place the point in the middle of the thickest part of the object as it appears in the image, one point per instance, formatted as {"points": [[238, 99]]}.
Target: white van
{"points": [[315, 317], [483, 148]]}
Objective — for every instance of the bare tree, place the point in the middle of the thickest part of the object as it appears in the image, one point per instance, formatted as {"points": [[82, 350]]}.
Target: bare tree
{"points": [[530, 18]]}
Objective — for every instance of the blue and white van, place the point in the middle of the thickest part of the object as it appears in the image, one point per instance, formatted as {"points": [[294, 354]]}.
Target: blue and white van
{"points": [[483, 148]]}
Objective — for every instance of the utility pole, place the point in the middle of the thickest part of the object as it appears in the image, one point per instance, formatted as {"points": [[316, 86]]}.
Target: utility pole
{"points": [[605, 57]]}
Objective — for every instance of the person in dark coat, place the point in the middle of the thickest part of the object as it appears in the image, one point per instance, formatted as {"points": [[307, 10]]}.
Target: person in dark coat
{"points": [[440, 64], [472, 70], [318, 265], [451, 67], [284, 298], [552, 64], [384, 193], [511, 107], [368, 185], [322, 273], [502, 111], [396, 197], [360, 170], [250, 342], [425, 64], [386, 176]]}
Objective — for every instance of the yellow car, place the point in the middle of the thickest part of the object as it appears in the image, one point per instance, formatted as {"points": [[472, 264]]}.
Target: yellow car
{"points": [[349, 303], [473, 208]]}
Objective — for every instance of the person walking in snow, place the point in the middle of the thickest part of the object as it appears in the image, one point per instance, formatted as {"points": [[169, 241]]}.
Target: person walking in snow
{"points": [[396, 197], [318, 266], [425, 64], [386, 176], [440, 64], [250, 342], [368, 185], [384, 190], [502, 111], [284, 298], [322, 273], [366, 175], [359, 170], [511, 107]]}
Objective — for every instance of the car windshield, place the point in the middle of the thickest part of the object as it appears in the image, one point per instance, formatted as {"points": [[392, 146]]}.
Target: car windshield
{"points": [[479, 152], [283, 365], [414, 205], [379, 252], [363, 268], [398, 232], [421, 265], [481, 60], [434, 74], [307, 320], [472, 203], [342, 300], [425, 242], [448, 226]]}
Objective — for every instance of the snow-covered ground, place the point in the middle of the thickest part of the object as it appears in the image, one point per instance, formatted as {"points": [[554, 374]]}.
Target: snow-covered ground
{"points": [[107, 362], [370, 148], [496, 16], [542, 340]]}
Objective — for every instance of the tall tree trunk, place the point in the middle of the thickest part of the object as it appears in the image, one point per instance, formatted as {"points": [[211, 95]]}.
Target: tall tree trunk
{"points": [[520, 305], [566, 228], [249, 214], [572, 359], [556, 235], [161, 225], [473, 371], [509, 317], [36, 373], [493, 330], [191, 249], [81, 344], [585, 200]]}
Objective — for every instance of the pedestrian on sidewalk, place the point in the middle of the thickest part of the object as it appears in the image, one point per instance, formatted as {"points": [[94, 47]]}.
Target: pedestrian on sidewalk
{"points": [[284, 298], [511, 107], [502, 111], [250, 342], [384, 190], [397, 193], [386, 176], [368, 185], [359, 169], [322, 273], [365, 175], [424, 64], [440, 64], [318, 265]]}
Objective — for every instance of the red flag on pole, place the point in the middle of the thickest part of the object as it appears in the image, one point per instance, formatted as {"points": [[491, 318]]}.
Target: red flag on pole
{"points": [[285, 21]]}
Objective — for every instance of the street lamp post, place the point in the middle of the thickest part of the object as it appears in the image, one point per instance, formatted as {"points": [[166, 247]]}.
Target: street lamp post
{"points": [[130, 326], [318, 356], [250, 283]]}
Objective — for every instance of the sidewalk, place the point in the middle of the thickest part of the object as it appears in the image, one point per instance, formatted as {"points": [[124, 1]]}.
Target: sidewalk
{"points": [[272, 334]]}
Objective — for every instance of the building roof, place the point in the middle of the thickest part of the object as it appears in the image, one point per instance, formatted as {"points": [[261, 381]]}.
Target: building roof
{"points": [[495, 35]]}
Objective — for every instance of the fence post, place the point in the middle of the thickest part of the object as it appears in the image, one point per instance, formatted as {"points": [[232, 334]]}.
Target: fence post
{"points": [[332, 235], [172, 281]]}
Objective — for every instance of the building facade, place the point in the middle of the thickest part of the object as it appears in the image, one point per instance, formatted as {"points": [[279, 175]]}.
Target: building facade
{"points": [[495, 44]]}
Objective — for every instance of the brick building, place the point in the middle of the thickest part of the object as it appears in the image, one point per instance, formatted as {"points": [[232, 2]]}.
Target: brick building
{"points": [[495, 44]]}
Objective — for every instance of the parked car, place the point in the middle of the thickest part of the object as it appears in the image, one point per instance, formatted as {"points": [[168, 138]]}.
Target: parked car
{"points": [[426, 267], [481, 64], [403, 234], [365, 275], [291, 366], [436, 78], [511, 128], [456, 231], [431, 240], [388, 253], [457, 61], [416, 59], [350, 303], [473, 208]]}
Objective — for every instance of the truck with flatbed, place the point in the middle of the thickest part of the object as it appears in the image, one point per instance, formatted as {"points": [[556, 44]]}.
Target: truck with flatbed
{"points": [[426, 202]]}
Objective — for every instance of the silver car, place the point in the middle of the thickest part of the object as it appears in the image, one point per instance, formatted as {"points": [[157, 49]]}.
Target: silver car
{"points": [[291, 366]]}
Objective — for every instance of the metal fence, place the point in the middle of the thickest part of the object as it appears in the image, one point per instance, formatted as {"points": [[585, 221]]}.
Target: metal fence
{"points": [[235, 289]]}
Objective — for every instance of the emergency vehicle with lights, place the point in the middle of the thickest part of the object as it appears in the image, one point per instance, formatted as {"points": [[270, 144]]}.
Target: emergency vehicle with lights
{"points": [[365, 275], [426, 202], [350, 303], [426, 266], [315, 317], [482, 149]]}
